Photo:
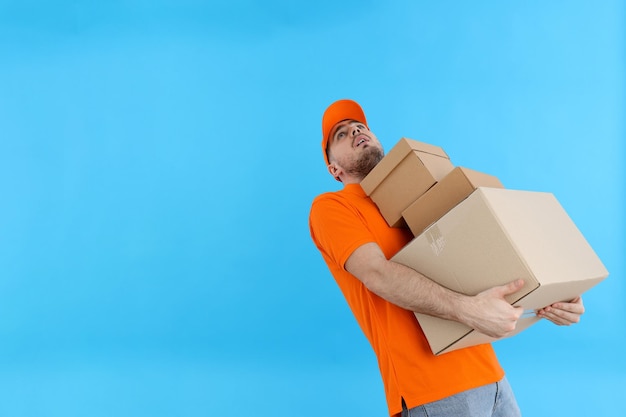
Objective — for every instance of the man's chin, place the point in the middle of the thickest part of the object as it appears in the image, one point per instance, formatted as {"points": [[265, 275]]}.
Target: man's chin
{"points": [[370, 157]]}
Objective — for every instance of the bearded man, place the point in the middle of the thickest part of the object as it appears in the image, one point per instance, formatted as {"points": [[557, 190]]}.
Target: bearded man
{"points": [[356, 244]]}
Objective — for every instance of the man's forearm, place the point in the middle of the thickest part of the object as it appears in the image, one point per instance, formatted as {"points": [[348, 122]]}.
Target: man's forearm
{"points": [[404, 286], [487, 312]]}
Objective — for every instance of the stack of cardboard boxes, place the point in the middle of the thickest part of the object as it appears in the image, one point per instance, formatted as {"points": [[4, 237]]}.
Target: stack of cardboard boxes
{"points": [[472, 234]]}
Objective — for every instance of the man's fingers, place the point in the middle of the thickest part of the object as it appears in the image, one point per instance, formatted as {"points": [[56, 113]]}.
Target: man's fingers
{"points": [[563, 314], [576, 308], [560, 317]]}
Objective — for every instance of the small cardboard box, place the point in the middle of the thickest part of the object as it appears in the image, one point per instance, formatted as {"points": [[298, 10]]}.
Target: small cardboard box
{"points": [[494, 237], [405, 173], [445, 195]]}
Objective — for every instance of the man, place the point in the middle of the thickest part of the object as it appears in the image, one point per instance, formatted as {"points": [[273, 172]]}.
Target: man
{"points": [[356, 244]]}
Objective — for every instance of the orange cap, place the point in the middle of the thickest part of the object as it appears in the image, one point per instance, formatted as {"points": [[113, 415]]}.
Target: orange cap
{"points": [[338, 111]]}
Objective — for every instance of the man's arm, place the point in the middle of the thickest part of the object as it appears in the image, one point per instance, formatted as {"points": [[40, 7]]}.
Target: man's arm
{"points": [[487, 312]]}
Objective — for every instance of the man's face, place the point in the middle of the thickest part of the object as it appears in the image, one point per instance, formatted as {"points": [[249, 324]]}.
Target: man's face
{"points": [[354, 149]]}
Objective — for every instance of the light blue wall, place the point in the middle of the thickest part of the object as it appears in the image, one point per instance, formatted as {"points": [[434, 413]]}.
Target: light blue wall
{"points": [[158, 160]]}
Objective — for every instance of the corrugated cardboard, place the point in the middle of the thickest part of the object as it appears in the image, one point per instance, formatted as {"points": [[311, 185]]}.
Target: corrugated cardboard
{"points": [[405, 173], [494, 237], [443, 196]]}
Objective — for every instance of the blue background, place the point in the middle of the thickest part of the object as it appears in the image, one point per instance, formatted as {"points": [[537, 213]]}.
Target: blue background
{"points": [[157, 164]]}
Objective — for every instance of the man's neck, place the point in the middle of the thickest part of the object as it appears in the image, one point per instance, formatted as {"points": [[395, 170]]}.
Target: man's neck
{"points": [[349, 179]]}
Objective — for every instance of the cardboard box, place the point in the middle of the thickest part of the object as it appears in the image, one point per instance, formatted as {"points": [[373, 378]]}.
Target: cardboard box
{"points": [[445, 195], [494, 237], [405, 173]]}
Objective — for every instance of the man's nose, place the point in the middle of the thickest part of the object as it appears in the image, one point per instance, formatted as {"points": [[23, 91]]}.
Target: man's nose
{"points": [[355, 130]]}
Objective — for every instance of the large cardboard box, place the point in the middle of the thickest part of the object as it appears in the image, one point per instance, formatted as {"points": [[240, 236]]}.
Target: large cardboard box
{"points": [[494, 237], [445, 195], [405, 173]]}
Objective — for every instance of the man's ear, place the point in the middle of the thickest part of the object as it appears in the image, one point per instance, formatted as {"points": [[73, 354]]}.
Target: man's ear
{"points": [[334, 170]]}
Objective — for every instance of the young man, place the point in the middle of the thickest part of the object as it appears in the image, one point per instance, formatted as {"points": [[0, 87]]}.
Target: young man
{"points": [[356, 244]]}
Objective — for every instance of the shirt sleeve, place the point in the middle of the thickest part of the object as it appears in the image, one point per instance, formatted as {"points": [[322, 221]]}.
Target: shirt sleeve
{"points": [[337, 228]]}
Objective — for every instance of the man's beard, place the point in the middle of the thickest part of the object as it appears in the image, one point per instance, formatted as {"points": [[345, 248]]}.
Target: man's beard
{"points": [[371, 156]]}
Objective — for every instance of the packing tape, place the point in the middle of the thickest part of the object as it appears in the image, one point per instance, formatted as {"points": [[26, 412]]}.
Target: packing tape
{"points": [[436, 240]]}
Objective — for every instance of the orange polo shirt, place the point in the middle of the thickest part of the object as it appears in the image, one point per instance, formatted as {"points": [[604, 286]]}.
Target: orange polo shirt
{"points": [[342, 221]]}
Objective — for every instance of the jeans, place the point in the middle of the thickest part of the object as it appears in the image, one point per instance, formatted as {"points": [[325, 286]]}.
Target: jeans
{"points": [[493, 400]]}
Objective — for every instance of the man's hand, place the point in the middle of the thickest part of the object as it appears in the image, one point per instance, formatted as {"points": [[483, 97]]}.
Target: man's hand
{"points": [[565, 313], [491, 314]]}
